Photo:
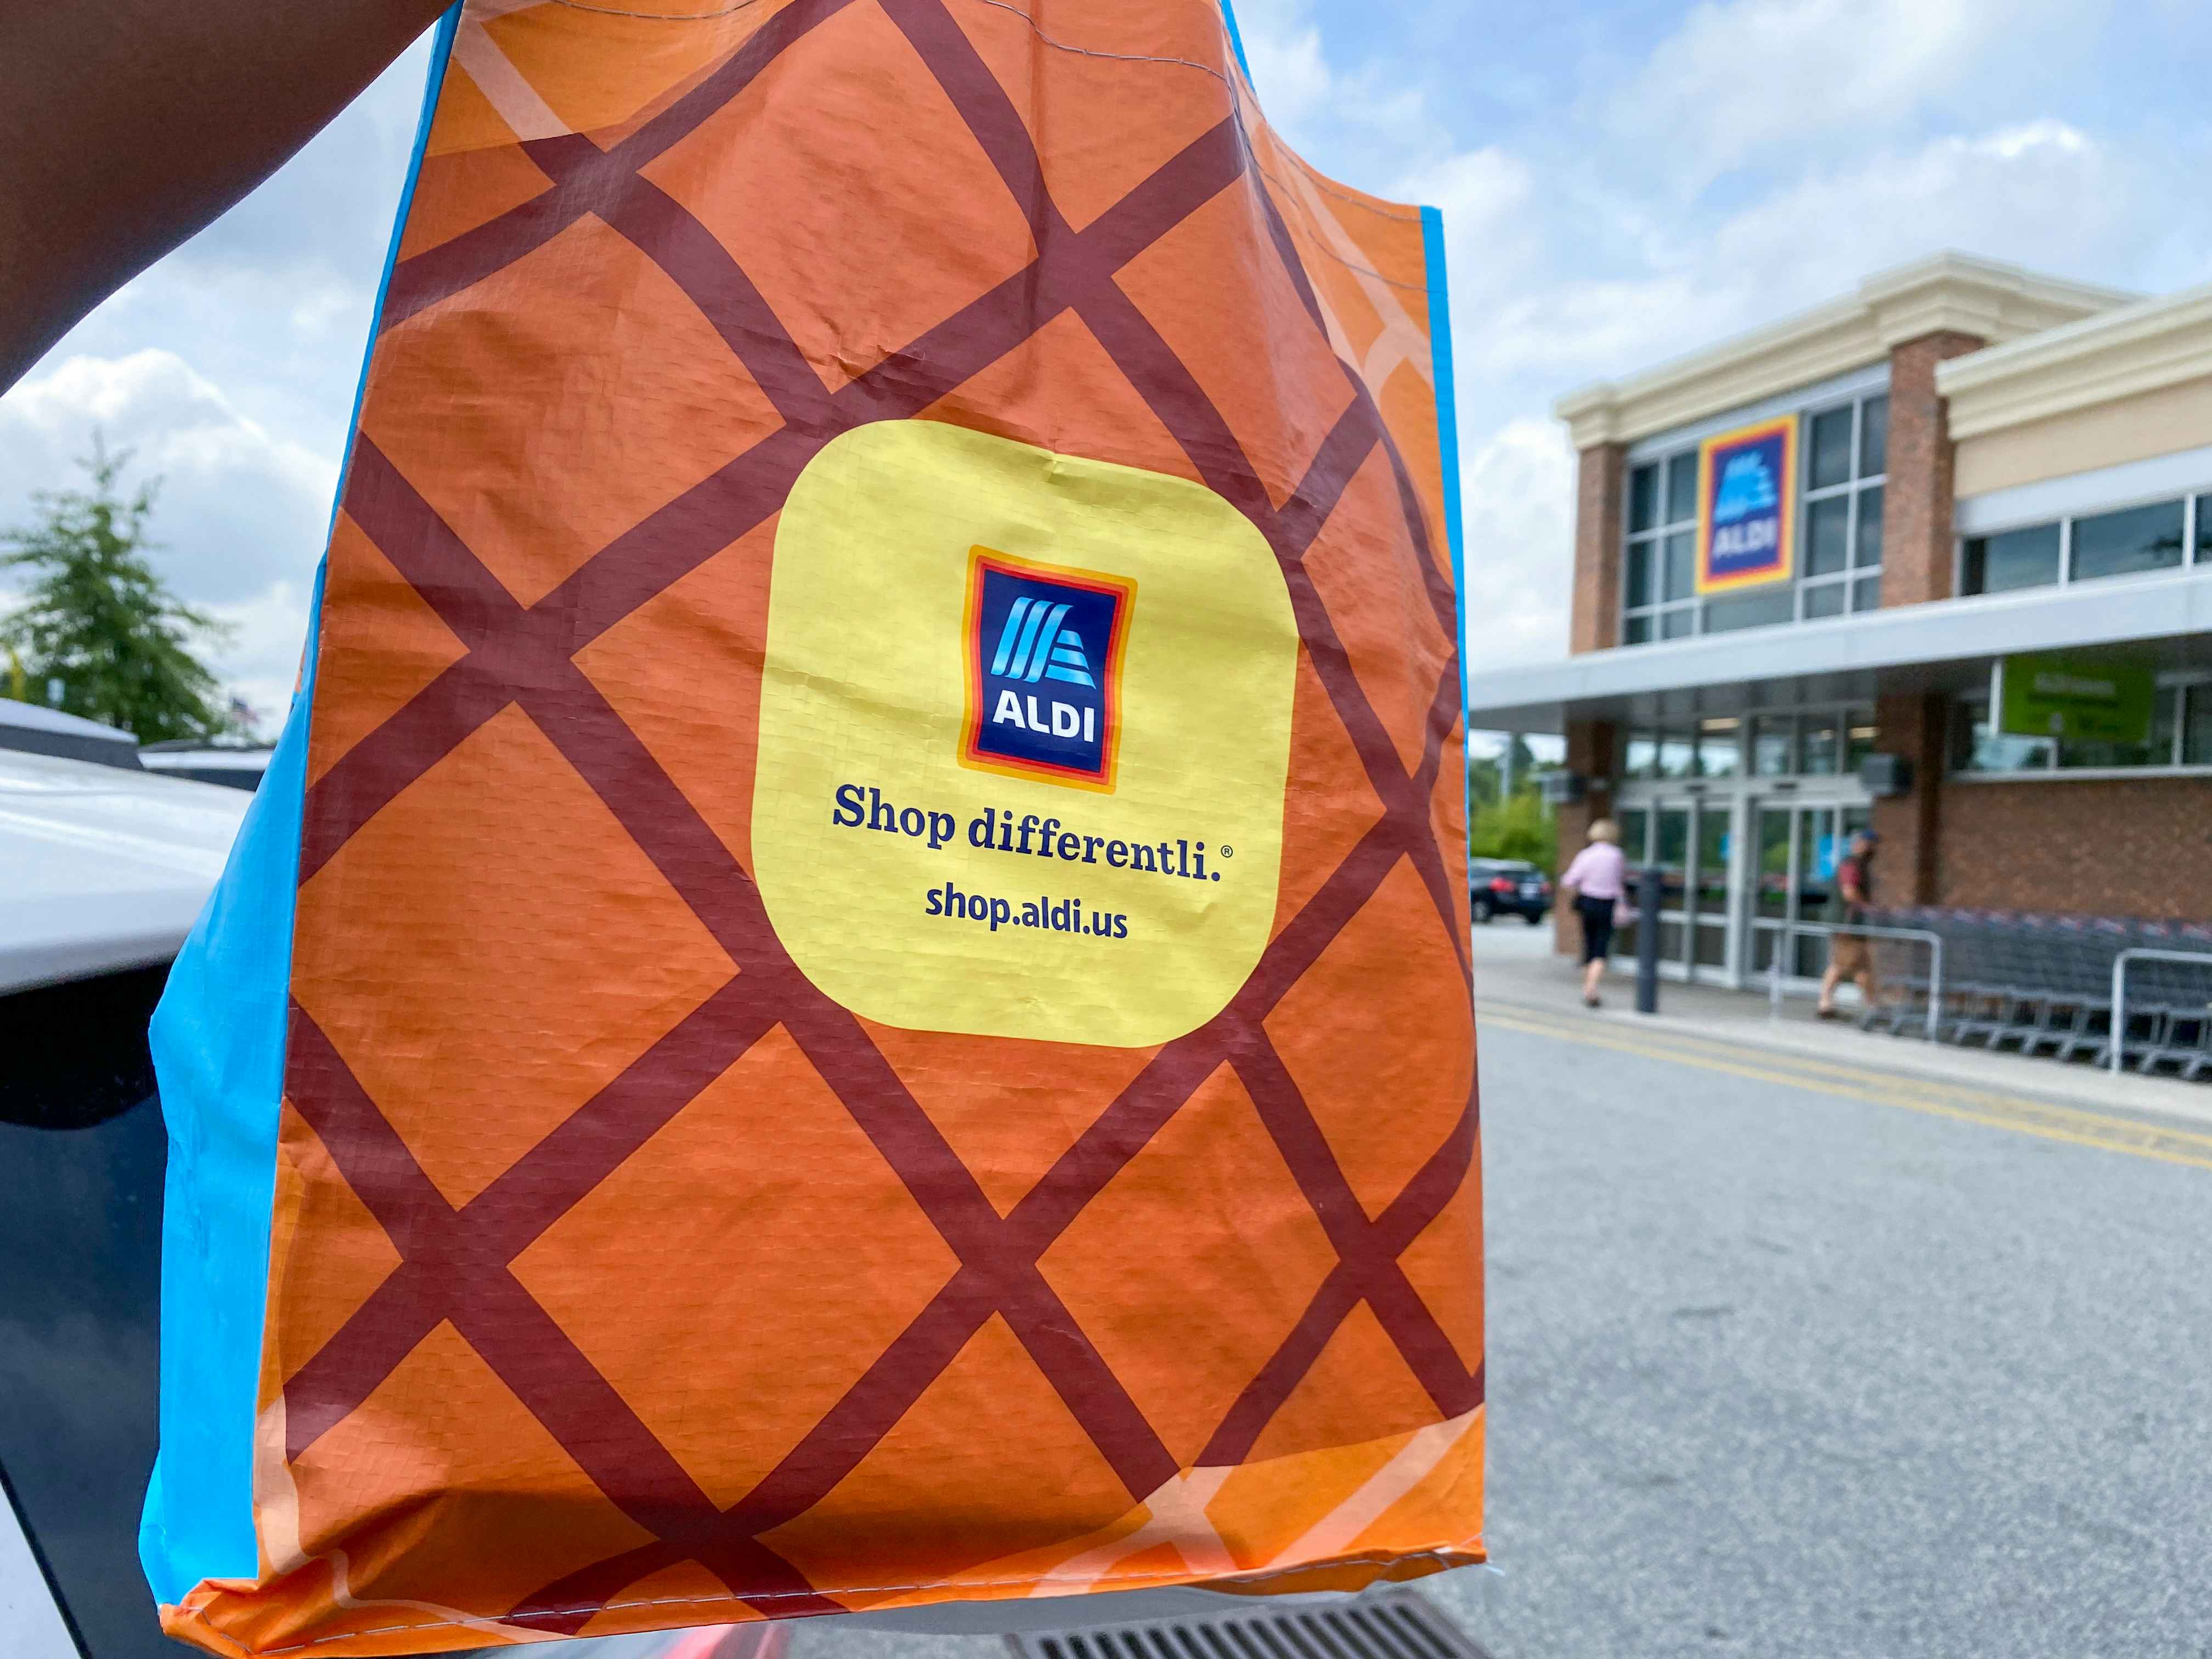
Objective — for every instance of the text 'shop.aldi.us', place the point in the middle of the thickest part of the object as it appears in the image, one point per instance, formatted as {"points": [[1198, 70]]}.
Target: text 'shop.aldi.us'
{"points": [[849, 987]]}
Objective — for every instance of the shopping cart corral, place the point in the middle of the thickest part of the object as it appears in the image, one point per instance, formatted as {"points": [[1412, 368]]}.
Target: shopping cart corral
{"points": [[1910, 994], [2123, 993]]}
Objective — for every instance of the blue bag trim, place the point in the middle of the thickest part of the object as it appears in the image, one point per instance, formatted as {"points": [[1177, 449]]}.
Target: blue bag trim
{"points": [[1235, 39], [218, 1044], [1440, 358]]}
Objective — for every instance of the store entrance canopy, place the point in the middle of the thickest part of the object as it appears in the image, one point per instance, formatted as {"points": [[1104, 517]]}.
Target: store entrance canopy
{"points": [[1947, 646]]}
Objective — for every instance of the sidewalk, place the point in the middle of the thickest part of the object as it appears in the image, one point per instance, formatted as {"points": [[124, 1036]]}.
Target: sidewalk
{"points": [[1514, 967]]}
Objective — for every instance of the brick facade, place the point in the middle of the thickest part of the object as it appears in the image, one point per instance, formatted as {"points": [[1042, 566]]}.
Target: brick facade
{"points": [[1916, 512], [1909, 825], [2135, 847], [1593, 751], [1918, 566], [1601, 485]]}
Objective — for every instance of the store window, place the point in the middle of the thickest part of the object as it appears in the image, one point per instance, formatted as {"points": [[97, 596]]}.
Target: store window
{"points": [[1844, 466], [2196, 722], [1720, 748], [1635, 833], [2180, 736], [2135, 539], [2018, 558], [1847, 460], [1660, 596], [1774, 746], [1819, 744], [2129, 541], [1816, 743], [1860, 736]]}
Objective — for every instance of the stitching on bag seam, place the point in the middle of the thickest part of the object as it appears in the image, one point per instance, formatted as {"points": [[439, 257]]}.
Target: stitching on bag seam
{"points": [[1092, 52], [1337, 259], [1343, 193], [199, 1615], [659, 16], [1320, 179]]}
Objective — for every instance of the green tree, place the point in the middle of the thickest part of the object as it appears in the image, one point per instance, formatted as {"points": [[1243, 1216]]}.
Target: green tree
{"points": [[98, 619], [1488, 775], [1482, 778], [1520, 827]]}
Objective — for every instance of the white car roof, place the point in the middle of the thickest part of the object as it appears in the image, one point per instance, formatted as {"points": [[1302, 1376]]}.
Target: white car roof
{"points": [[101, 868], [42, 731], [36, 717], [207, 758]]}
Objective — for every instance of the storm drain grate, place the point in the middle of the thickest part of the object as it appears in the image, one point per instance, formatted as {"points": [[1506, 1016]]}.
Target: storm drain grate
{"points": [[1395, 1624]]}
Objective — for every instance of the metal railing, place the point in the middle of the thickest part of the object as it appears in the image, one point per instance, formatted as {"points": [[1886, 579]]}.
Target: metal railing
{"points": [[1828, 930], [2140, 953]]}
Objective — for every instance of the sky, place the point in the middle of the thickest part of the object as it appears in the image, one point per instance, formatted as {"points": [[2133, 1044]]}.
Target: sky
{"points": [[1620, 183]]}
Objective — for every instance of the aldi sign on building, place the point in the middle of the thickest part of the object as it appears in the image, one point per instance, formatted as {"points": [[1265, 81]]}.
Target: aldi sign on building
{"points": [[1745, 523]]}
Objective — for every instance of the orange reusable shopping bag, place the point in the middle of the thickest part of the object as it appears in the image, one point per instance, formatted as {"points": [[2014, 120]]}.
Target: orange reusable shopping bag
{"points": [[850, 986]]}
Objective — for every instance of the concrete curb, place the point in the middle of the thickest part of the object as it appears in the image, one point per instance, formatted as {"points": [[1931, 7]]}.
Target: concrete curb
{"points": [[2165, 1099]]}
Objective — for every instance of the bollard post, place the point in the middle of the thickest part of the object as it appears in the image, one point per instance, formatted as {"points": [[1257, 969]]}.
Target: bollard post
{"points": [[1647, 941]]}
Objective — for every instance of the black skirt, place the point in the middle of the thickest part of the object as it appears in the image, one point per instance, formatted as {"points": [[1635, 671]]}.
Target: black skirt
{"points": [[1596, 915]]}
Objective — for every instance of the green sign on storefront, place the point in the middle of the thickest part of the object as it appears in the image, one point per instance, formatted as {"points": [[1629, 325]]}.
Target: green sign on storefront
{"points": [[2048, 695]]}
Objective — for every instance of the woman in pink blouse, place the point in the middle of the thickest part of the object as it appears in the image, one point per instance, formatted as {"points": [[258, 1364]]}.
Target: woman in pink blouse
{"points": [[1598, 878]]}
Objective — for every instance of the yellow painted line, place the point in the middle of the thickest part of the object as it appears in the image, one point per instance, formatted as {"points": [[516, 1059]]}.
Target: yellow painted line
{"points": [[2019, 1115], [1692, 1047]]}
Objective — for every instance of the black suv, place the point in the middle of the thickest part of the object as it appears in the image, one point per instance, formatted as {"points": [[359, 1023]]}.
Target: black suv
{"points": [[1496, 885]]}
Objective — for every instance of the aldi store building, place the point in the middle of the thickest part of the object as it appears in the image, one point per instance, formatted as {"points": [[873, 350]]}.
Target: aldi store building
{"points": [[1936, 559]]}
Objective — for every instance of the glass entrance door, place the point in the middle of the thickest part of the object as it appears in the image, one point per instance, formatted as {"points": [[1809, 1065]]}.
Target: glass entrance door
{"points": [[1670, 844], [1799, 848], [1689, 841]]}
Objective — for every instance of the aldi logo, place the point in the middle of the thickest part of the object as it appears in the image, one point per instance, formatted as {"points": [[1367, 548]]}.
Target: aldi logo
{"points": [[1746, 517], [1044, 648]]}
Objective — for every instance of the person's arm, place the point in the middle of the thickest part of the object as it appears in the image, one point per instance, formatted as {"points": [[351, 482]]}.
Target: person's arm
{"points": [[125, 125]]}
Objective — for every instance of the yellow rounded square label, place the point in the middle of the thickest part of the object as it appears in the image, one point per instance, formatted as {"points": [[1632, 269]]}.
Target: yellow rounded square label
{"points": [[1024, 733]]}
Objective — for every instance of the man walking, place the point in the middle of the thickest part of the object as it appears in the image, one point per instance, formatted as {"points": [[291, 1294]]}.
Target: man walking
{"points": [[1851, 956]]}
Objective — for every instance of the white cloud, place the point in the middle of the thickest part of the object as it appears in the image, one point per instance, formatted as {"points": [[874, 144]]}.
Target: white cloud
{"points": [[1295, 79], [2042, 193], [1518, 508], [1487, 198], [1366, 117], [239, 507], [1740, 76], [261, 664]]}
